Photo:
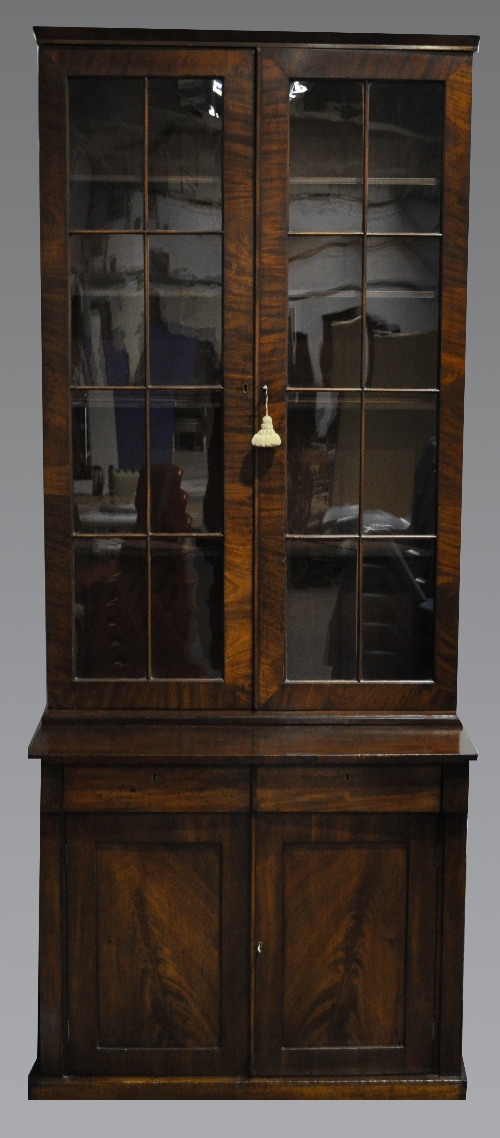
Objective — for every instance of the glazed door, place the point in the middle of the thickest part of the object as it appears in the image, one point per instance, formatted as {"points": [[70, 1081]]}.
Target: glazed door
{"points": [[158, 944], [363, 178], [147, 260], [345, 930]]}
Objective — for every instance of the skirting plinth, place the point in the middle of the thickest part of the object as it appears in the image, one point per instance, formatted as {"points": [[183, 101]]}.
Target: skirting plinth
{"points": [[104, 1087]]}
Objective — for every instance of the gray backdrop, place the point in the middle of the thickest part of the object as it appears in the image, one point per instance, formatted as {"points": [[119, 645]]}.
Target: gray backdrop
{"points": [[21, 565]]}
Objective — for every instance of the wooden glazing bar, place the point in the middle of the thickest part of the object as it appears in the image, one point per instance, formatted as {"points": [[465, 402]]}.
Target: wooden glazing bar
{"points": [[147, 376], [365, 537], [152, 232], [359, 576]]}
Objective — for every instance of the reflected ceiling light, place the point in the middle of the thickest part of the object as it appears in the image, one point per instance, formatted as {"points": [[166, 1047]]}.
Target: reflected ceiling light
{"points": [[297, 88]]}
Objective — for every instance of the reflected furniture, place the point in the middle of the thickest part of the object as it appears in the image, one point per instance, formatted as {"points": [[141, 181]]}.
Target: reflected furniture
{"points": [[254, 779]]}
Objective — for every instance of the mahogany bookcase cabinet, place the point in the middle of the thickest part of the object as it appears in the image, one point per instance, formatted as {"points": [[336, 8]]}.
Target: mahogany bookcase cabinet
{"points": [[254, 780]]}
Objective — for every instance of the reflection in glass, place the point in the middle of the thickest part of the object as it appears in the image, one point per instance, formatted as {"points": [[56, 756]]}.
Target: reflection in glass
{"points": [[110, 608], [107, 310], [321, 610], [185, 334], [185, 153], [402, 311], [106, 143], [398, 610], [109, 451], [324, 311], [187, 623], [323, 438], [186, 451], [404, 157], [400, 464], [326, 155]]}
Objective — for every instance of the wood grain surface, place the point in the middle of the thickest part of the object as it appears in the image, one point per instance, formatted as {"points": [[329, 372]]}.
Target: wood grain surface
{"points": [[344, 955], [157, 944], [87, 743], [338, 864], [236, 71], [425, 1087], [364, 789], [220, 790]]}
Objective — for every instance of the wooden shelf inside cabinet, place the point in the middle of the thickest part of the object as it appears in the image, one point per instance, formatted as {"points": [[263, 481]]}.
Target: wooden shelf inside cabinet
{"points": [[252, 652]]}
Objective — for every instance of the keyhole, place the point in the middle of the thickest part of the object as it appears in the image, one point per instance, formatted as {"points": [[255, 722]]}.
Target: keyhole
{"points": [[347, 778], [153, 777], [245, 388]]}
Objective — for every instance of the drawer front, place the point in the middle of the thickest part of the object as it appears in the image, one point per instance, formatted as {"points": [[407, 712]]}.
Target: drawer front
{"points": [[159, 789], [359, 789]]}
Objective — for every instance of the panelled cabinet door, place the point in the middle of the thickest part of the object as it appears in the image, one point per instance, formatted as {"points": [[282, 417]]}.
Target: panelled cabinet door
{"points": [[345, 952], [148, 282], [158, 944], [363, 238]]}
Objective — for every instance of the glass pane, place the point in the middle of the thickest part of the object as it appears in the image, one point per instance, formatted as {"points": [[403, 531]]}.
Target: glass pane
{"points": [[321, 610], [402, 311], [326, 155], [398, 610], [107, 310], [185, 153], [109, 452], [106, 144], [400, 464], [185, 310], [186, 454], [404, 164], [323, 437], [187, 623], [324, 311], [110, 608]]}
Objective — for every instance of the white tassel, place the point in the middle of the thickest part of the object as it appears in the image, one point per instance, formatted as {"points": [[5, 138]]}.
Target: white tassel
{"points": [[266, 436]]}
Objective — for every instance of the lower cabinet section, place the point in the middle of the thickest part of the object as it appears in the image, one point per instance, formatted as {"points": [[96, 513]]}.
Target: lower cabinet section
{"points": [[192, 931]]}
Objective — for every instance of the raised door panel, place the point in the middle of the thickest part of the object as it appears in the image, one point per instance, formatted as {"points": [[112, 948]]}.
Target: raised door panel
{"points": [[346, 913], [157, 935]]}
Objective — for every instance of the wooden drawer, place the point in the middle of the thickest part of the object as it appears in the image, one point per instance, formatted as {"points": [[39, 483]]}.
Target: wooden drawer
{"points": [[360, 789], [158, 789]]}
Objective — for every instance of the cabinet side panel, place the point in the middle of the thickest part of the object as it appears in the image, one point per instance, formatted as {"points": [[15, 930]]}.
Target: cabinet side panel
{"points": [[453, 313], [51, 966], [55, 348], [450, 1049]]}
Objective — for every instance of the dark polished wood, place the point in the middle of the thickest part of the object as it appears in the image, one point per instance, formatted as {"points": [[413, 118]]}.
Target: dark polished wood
{"points": [[157, 944], [71, 1087], [250, 888], [46, 35], [452, 942], [108, 742], [52, 947], [346, 915], [167, 789], [363, 789], [235, 68], [278, 67]]}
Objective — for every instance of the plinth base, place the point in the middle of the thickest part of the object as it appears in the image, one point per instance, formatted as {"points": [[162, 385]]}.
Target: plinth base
{"points": [[104, 1087]]}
